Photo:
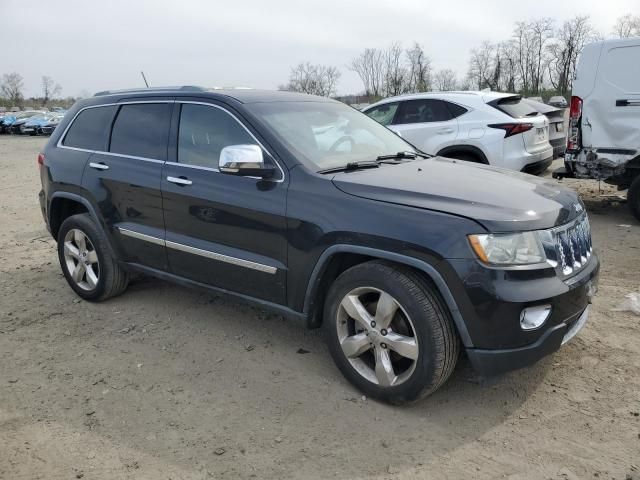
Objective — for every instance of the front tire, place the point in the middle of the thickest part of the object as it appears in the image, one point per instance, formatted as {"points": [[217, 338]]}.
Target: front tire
{"points": [[87, 262], [389, 332]]}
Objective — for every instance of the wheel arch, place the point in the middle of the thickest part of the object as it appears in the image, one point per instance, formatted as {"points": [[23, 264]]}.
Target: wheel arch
{"points": [[466, 149], [64, 204], [328, 267]]}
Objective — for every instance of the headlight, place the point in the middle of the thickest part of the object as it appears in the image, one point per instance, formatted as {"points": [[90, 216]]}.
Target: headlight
{"points": [[508, 248]]}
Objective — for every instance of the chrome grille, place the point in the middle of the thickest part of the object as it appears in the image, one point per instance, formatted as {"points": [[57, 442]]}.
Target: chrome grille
{"points": [[570, 246]]}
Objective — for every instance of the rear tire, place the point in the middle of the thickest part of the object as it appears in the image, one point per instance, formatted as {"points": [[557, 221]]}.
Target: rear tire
{"points": [[87, 261], [633, 197], [413, 347]]}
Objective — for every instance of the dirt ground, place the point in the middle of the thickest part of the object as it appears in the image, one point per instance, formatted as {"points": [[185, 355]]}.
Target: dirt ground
{"points": [[169, 383]]}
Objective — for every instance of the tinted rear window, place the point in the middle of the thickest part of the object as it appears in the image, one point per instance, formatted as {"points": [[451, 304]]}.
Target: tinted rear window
{"points": [[142, 130], [90, 129], [514, 107]]}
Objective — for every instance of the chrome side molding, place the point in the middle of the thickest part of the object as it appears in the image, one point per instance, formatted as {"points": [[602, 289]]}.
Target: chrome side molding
{"points": [[198, 251]]}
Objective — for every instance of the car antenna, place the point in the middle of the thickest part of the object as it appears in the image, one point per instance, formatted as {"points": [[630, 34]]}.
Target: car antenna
{"points": [[144, 78]]}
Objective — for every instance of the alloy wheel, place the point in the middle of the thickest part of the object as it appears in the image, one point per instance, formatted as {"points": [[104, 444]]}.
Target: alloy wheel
{"points": [[81, 259], [377, 336]]}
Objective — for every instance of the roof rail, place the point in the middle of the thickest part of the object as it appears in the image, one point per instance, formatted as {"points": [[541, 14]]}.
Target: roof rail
{"points": [[184, 88]]}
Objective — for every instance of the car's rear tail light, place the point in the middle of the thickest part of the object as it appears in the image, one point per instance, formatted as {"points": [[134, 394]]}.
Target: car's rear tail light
{"points": [[511, 129], [40, 160], [575, 113]]}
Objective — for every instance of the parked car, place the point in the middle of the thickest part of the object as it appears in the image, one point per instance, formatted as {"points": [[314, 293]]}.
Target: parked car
{"points": [[9, 121], [558, 101], [402, 258], [33, 125], [604, 118], [18, 125], [48, 127], [557, 130], [498, 129]]}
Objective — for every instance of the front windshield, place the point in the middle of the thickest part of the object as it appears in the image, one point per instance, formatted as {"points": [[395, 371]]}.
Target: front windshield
{"points": [[328, 134]]}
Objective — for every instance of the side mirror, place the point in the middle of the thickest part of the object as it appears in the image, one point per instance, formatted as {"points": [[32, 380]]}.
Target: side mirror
{"points": [[244, 160]]}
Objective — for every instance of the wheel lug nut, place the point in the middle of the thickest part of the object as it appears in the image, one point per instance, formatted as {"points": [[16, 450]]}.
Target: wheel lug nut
{"points": [[383, 345], [373, 324], [383, 332]]}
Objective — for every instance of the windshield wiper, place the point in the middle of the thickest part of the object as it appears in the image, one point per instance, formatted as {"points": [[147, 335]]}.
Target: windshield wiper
{"points": [[352, 166], [407, 155], [396, 156]]}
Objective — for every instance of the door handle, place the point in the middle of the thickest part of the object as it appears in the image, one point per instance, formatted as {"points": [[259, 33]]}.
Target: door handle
{"points": [[179, 180], [627, 103], [99, 166], [445, 130]]}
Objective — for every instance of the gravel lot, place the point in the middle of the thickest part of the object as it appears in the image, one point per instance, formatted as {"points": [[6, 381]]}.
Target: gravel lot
{"points": [[169, 383]]}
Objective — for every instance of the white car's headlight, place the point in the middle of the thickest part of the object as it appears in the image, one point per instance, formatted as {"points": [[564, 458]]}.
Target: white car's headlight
{"points": [[523, 248]]}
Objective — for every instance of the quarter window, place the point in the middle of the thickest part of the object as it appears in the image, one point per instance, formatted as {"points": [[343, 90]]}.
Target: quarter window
{"points": [[383, 114], [455, 109], [142, 130], [90, 129], [204, 131], [423, 111]]}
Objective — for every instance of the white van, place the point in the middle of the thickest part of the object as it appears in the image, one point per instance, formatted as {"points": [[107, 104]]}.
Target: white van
{"points": [[604, 121]]}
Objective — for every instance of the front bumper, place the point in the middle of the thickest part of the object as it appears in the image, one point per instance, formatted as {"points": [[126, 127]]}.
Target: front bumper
{"points": [[494, 362], [491, 301]]}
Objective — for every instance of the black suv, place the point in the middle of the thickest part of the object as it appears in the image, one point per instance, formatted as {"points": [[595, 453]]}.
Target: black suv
{"points": [[308, 207]]}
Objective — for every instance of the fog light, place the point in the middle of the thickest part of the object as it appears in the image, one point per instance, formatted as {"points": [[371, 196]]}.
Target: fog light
{"points": [[533, 317]]}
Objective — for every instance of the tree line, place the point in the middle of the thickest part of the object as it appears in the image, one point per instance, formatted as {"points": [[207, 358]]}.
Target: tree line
{"points": [[539, 58], [12, 92]]}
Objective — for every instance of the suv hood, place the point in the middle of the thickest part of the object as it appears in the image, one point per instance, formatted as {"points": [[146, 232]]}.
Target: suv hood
{"points": [[501, 200]]}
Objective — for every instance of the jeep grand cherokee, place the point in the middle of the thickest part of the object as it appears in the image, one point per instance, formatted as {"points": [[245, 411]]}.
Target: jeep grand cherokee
{"points": [[310, 208]]}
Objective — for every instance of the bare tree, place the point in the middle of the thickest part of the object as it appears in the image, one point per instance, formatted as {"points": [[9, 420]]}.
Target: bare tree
{"points": [[445, 80], [11, 87], [481, 68], [419, 69], [627, 26], [313, 79], [395, 73], [508, 75], [564, 52], [541, 32], [369, 66], [49, 89], [526, 45]]}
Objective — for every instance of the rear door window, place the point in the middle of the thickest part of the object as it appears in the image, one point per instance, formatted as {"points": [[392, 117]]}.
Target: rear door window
{"points": [[383, 114], [142, 130], [423, 111], [90, 129]]}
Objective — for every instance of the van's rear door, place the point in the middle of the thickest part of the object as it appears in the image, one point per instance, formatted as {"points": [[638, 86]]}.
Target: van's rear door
{"points": [[611, 112]]}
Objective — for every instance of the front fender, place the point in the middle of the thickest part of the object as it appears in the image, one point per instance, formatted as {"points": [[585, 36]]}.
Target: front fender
{"points": [[430, 270]]}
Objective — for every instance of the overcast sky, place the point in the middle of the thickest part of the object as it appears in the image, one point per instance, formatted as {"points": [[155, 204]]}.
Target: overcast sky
{"points": [[88, 45]]}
